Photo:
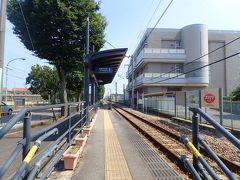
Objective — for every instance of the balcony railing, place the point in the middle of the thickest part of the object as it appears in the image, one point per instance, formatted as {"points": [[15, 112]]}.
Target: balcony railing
{"points": [[162, 51], [164, 55], [157, 77], [164, 75]]}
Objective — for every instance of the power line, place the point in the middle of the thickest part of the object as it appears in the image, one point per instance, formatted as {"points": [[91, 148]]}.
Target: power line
{"points": [[111, 45], [152, 3], [230, 42], [18, 69], [199, 68], [159, 19], [25, 22], [16, 76], [154, 13]]}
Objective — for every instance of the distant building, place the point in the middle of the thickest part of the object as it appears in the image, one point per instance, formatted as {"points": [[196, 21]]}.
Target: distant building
{"points": [[164, 54], [117, 97], [22, 96]]}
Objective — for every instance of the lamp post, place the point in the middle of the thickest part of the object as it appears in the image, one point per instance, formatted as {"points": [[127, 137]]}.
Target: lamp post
{"points": [[6, 92]]}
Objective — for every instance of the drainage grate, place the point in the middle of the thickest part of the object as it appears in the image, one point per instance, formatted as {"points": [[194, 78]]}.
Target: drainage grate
{"points": [[158, 167]]}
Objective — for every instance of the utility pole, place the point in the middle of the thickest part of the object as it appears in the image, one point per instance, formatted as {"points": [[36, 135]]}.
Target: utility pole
{"points": [[86, 73], [111, 94], [132, 103], [116, 92], [123, 93], [3, 4]]}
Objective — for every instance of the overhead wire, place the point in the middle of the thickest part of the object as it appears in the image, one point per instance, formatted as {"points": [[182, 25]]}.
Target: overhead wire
{"points": [[17, 69], [230, 42], [25, 22], [154, 12], [16, 76], [159, 19], [235, 54], [110, 44]]}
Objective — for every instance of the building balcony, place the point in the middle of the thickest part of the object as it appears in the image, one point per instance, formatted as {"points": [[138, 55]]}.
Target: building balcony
{"points": [[169, 79], [160, 55], [157, 55]]}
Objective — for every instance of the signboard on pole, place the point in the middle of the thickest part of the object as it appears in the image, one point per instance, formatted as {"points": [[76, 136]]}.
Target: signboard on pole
{"points": [[193, 99], [180, 98], [103, 70], [210, 98]]}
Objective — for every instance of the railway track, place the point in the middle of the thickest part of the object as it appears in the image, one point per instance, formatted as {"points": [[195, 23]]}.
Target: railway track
{"points": [[169, 142]]}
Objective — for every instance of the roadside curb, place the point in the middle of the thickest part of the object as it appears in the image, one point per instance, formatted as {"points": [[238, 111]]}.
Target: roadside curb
{"points": [[19, 127]]}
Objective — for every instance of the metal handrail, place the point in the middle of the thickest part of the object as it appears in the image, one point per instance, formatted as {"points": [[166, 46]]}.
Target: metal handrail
{"points": [[32, 152], [235, 141], [38, 164], [198, 140], [23, 112], [198, 155], [190, 167], [73, 120], [216, 159]]}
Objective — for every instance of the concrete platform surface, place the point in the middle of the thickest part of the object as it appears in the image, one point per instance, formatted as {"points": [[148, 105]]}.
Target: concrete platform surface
{"points": [[114, 150]]}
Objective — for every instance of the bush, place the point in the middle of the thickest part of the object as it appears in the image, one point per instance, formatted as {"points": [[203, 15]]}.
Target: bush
{"points": [[236, 94], [227, 98]]}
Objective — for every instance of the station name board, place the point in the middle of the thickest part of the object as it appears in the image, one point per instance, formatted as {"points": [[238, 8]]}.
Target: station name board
{"points": [[103, 70]]}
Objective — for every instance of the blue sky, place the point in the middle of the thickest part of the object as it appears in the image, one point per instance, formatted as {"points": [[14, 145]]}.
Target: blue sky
{"points": [[127, 20]]}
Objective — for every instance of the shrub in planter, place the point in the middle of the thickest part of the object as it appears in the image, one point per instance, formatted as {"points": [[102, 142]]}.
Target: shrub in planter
{"points": [[81, 139], [87, 129], [71, 156]]}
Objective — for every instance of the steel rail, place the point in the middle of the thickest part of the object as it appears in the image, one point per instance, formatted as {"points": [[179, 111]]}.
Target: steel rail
{"points": [[234, 167], [170, 154]]}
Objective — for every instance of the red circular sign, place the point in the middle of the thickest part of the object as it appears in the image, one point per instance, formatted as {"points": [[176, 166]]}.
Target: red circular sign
{"points": [[209, 98]]}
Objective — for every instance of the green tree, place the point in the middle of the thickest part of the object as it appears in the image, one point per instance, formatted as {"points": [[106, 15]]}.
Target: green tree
{"points": [[57, 29], [75, 85], [101, 92], [44, 81], [236, 94]]}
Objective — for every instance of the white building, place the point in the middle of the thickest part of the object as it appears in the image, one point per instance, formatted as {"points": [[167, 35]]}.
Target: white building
{"points": [[167, 60]]}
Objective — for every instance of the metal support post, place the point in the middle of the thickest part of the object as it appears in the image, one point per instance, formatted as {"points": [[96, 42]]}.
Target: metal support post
{"points": [[123, 93], [143, 102], [79, 104], [185, 104], [79, 110], [96, 94], [195, 132], [116, 91], [132, 98], [26, 133], [94, 90], [3, 7], [200, 103], [221, 105], [175, 105], [189, 166], [86, 75], [92, 93], [69, 123], [137, 99]]}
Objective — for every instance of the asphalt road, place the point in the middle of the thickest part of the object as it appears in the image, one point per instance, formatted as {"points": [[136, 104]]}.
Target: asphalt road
{"points": [[8, 143], [36, 116]]}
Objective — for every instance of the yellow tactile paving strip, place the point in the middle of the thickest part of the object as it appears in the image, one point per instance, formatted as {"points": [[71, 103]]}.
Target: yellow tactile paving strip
{"points": [[115, 164]]}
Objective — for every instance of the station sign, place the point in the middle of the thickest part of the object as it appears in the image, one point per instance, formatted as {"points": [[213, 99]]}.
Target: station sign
{"points": [[104, 70], [210, 98], [193, 99]]}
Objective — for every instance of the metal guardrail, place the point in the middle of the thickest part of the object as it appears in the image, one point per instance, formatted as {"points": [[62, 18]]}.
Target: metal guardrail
{"points": [[198, 160], [67, 129]]}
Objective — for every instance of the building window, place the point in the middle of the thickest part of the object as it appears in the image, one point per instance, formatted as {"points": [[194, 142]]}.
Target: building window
{"points": [[171, 44], [178, 68]]}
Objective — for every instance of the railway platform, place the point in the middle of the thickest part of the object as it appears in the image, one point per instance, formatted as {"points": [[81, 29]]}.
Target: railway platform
{"points": [[114, 150]]}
